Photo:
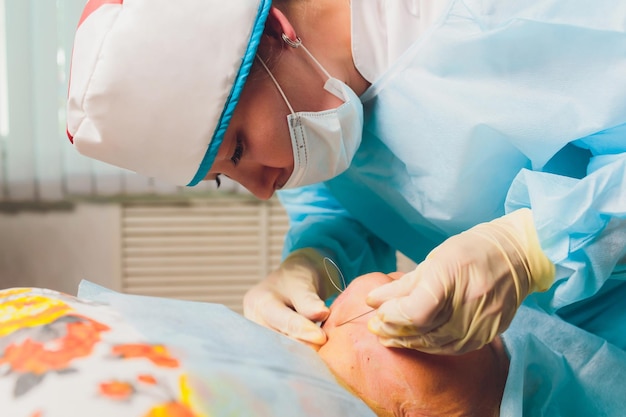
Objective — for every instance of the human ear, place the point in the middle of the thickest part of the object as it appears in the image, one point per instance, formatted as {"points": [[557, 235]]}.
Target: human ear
{"points": [[277, 24]]}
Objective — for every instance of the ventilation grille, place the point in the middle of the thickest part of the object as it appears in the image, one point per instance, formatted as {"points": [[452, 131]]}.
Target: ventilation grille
{"points": [[210, 250]]}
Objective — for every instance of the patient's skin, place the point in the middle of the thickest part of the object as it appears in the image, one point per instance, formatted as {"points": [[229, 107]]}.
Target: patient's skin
{"points": [[404, 382]]}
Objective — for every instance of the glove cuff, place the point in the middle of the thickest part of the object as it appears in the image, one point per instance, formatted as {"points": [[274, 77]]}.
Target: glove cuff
{"points": [[542, 270]]}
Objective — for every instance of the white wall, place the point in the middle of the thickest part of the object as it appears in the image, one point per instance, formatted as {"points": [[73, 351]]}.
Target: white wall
{"points": [[4, 85], [51, 246], [56, 248]]}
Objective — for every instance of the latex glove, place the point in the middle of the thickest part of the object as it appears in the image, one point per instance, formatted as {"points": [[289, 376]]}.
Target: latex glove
{"points": [[287, 300], [466, 291]]}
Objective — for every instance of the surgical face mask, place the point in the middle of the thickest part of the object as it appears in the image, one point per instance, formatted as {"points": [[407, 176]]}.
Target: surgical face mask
{"points": [[323, 142]]}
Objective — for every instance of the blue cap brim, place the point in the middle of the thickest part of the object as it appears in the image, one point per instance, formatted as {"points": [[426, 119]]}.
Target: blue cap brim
{"points": [[233, 99]]}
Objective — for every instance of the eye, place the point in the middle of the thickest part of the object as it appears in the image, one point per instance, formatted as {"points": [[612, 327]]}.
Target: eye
{"points": [[238, 152], [218, 181]]}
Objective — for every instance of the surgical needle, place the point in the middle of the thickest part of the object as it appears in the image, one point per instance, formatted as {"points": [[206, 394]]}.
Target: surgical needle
{"points": [[354, 318]]}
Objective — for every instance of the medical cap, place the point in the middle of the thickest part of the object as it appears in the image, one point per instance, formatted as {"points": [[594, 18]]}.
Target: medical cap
{"points": [[154, 83]]}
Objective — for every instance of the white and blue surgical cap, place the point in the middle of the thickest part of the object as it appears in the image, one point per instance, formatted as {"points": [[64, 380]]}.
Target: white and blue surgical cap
{"points": [[154, 83]]}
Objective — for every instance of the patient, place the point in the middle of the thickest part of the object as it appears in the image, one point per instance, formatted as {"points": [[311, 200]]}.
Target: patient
{"points": [[402, 382], [105, 354]]}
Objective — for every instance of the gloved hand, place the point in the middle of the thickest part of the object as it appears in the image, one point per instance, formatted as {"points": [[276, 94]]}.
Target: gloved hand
{"points": [[287, 300], [466, 291]]}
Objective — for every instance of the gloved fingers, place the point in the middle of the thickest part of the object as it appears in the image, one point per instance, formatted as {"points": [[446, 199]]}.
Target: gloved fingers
{"points": [[447, 339], [422, 343], [426, 345], [400, 287], [254, 298], [463, 332], [425, 308], [396, 275], [391, 321], [299, 327], [310, 305], [277, 316], [266, 309]]}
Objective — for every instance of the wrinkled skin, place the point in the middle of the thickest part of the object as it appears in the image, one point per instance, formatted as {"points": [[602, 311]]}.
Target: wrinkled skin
{"points": [[405, 382]]}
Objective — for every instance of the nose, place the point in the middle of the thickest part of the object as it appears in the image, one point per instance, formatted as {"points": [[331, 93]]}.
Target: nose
{"points": [[259, 186]]}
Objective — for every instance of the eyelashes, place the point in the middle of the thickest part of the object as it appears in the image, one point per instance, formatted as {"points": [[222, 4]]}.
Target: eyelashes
{"points": [[236, 158], [237, 153]]}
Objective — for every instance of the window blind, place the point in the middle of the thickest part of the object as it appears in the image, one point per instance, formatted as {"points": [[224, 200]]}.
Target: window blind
{"points": [[37, 161], [203, 250]]}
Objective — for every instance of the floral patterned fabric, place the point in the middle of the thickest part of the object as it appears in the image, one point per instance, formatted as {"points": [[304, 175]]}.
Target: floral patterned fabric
{"points": [[109, 354]]}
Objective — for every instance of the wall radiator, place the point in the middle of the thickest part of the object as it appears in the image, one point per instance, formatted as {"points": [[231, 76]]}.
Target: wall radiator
{"points": [[209, 250]]}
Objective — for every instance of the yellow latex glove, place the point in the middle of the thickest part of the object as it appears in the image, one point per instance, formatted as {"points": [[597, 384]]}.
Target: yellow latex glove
{"points": [[287, 301], [466, 291]]}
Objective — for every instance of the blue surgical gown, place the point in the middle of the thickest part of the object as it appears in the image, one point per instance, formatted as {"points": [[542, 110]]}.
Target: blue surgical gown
{"points": [[499, 105]]}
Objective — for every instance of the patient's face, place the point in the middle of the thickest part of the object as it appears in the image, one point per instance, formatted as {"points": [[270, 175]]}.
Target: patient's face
{"points": [[403, 382]]}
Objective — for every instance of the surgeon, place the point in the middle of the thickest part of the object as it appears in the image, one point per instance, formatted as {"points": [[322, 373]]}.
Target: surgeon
{"points": [[484, 140]]}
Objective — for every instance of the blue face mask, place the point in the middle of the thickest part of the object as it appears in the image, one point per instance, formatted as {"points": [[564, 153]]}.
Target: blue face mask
{"points": [[323, 142]]}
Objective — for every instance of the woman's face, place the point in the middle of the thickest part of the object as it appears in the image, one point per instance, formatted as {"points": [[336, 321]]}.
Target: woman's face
{"points": [[257, 151], [404, 382]]}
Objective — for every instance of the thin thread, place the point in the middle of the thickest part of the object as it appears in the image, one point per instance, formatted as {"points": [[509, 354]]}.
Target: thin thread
{"points": [[354, 318], [343, 281], [298, 44], [316, 61]]}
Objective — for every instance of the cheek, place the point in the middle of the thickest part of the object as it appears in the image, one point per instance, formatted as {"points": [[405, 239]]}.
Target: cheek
{"points": [[264, 114], [277, 142], [357, 359], [269, 141], [340, 354]]}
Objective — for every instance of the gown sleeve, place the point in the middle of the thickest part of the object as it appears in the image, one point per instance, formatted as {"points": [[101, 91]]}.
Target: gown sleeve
{"points": [[581, 222], [317, 220]]}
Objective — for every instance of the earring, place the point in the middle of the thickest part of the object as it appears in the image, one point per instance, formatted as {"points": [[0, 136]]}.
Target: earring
{"points": [[292, 43]]}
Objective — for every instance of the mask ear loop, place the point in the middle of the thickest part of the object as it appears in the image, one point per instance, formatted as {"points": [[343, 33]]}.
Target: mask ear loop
{"points": [[280, 90], [298, 44]]}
